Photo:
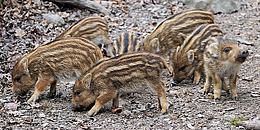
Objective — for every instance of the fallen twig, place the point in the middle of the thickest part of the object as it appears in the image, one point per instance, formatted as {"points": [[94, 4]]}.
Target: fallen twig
{"points": [[91, 5]]}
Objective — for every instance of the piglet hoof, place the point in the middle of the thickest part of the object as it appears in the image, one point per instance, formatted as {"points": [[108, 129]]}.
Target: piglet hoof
{"points": [[227, 93], [91, 113], [32, 100], [205, 92], [195, 82], [116, 110], [163, 112], [216, 99], [51, 95], [235, 98]]}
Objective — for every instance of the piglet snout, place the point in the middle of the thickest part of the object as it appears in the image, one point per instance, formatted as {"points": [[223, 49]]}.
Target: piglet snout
{"points": [[242, 56]]}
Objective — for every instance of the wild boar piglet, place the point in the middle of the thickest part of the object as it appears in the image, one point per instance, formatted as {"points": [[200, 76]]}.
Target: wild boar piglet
{"points": [[126, 42], [222, 59], [59, 60], [93, 28], [103, 81], [187, 60], [172, 32]]}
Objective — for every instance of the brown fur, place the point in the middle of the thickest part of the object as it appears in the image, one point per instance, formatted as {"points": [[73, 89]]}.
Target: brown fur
{"points": [[125, 43], [93, 28], [128, 71], [223, 58], [58, 60], [171, 33], [188, 58]]}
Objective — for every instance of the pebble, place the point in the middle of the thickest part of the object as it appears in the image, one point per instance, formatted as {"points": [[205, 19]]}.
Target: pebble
{"points": [[200, 115], [45, 124], [15, 113], [127, 113], [241, 128], [10, 106], [204, 128], [142, 108], [255, 95], [41, 115], [190, 126], [230, 109], [248, 78], [257, 55], [19, 33]]}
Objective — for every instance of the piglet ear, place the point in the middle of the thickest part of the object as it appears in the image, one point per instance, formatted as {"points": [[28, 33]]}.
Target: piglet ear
{"points": [[190, 56], [87, 80], [147, 39], [212, 50], [156, 45], [176, 53], [24, 64], [177, 50], [146, 42], [213, 40]]}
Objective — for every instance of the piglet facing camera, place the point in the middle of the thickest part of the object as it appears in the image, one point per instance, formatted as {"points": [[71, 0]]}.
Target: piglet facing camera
{"points": [[222, 59]]}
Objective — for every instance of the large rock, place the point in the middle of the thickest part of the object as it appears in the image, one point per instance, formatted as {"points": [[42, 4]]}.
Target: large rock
{"points": [[216, 6], [223, 6], [53, 18]]}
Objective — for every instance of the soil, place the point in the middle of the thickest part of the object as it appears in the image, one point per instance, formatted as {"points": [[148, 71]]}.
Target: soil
{"points": [[23, 28]]}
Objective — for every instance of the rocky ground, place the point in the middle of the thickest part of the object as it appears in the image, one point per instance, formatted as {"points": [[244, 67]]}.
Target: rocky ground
{"points": [[24, 27]]}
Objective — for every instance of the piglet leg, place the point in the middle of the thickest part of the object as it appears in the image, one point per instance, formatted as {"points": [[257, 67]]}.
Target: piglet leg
{"points": [[103, 98], [41, 84]]}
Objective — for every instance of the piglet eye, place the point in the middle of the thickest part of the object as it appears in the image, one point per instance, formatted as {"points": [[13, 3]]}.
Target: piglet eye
{"points": [[227, 50], [18, 78], [76, 93], [182, 68]]}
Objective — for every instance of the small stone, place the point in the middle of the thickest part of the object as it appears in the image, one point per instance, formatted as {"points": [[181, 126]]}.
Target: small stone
{"points": [[230, 109], [183, 119], [142, 108], [257, 56], [127, 113], [38, 2], [255, 95], [203, 100], [45, 124], [35, 105], [10, 106], [248, 78], [19, 33], [200, 115], [14, 113], [41, 115], [190, 126], [204, 128], [12, 122], [64, 14], [241, 127]]}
